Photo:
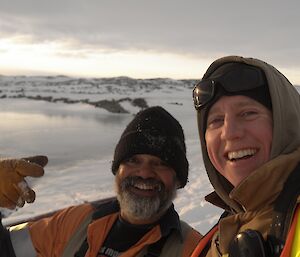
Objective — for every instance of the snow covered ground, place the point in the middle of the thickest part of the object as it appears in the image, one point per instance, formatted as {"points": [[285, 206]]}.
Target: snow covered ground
{"points": [[57, 117]]}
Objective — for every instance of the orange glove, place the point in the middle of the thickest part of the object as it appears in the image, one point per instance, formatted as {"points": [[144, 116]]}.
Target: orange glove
{"points": [[14, 190]]}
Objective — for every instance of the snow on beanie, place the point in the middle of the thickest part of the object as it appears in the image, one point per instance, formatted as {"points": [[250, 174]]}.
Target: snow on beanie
{"points": [[156, 132]]}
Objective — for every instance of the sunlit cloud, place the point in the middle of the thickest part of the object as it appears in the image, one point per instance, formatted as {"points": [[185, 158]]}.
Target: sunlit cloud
{"points": [[56, 58]]}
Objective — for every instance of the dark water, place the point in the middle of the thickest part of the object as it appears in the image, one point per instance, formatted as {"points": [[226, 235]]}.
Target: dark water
{"points": [[65, 133]]}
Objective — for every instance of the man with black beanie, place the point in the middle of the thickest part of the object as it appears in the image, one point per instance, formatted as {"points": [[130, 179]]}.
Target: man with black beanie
{"points": [[154, 131], [149, 165]]}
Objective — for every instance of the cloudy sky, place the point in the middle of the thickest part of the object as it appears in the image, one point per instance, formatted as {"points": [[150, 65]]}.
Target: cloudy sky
{"points": [[145, 38]]}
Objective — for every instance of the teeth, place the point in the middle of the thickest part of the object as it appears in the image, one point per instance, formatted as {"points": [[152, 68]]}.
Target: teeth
{"points": [[144, 187], [147, 186], [241, 154]]}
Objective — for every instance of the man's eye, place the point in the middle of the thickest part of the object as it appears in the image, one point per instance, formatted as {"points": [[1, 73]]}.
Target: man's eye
{"points": [[163, 163], [215, 122], [248, 113], [131, 160]]}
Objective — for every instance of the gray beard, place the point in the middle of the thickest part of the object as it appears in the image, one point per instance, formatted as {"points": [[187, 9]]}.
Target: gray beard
{"points": [[140, 207]]}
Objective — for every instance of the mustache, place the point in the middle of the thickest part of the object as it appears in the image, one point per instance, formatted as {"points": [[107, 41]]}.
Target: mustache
{"points": [[148, 183]]}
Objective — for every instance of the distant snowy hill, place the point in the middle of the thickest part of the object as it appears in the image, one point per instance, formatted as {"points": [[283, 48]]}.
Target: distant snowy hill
{"points": [[107, 93]]}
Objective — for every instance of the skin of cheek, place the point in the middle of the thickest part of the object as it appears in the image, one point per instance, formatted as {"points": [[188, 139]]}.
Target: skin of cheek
{"points": [[252, 133]]}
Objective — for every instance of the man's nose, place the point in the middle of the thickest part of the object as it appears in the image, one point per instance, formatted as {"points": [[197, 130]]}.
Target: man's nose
{"points": [[146, 170], [232, 129]]}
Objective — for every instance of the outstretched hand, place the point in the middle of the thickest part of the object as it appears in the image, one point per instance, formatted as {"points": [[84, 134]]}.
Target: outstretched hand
{"points": [[14, 191]]}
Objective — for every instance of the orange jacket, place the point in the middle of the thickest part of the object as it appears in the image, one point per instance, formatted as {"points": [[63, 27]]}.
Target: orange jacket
{"points": [[63, 234]]}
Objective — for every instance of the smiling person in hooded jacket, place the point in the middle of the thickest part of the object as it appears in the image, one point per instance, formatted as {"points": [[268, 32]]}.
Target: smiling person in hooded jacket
{"points": [[249, 125]]}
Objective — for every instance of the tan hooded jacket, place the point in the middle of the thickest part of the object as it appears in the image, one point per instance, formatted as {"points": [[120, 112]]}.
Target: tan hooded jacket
{"points": [[252, 201]]}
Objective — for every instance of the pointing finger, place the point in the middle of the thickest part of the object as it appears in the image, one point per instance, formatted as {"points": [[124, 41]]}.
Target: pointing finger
{"points": [[38, 159], [25, 168]]}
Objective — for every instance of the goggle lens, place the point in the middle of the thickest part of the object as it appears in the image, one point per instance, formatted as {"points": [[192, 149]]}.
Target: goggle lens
{"points": [[203, 92], [244, 78]]}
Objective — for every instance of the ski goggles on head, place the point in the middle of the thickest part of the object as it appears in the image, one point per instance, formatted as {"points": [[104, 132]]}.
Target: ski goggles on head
{"points": [[233, 81]]}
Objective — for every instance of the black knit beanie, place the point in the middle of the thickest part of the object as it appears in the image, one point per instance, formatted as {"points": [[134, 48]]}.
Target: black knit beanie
{"points": [[156, 132]]}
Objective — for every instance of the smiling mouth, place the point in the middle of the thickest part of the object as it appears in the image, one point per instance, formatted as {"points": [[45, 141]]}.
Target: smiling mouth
{"points": [[241, 154], [147, 187]]}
